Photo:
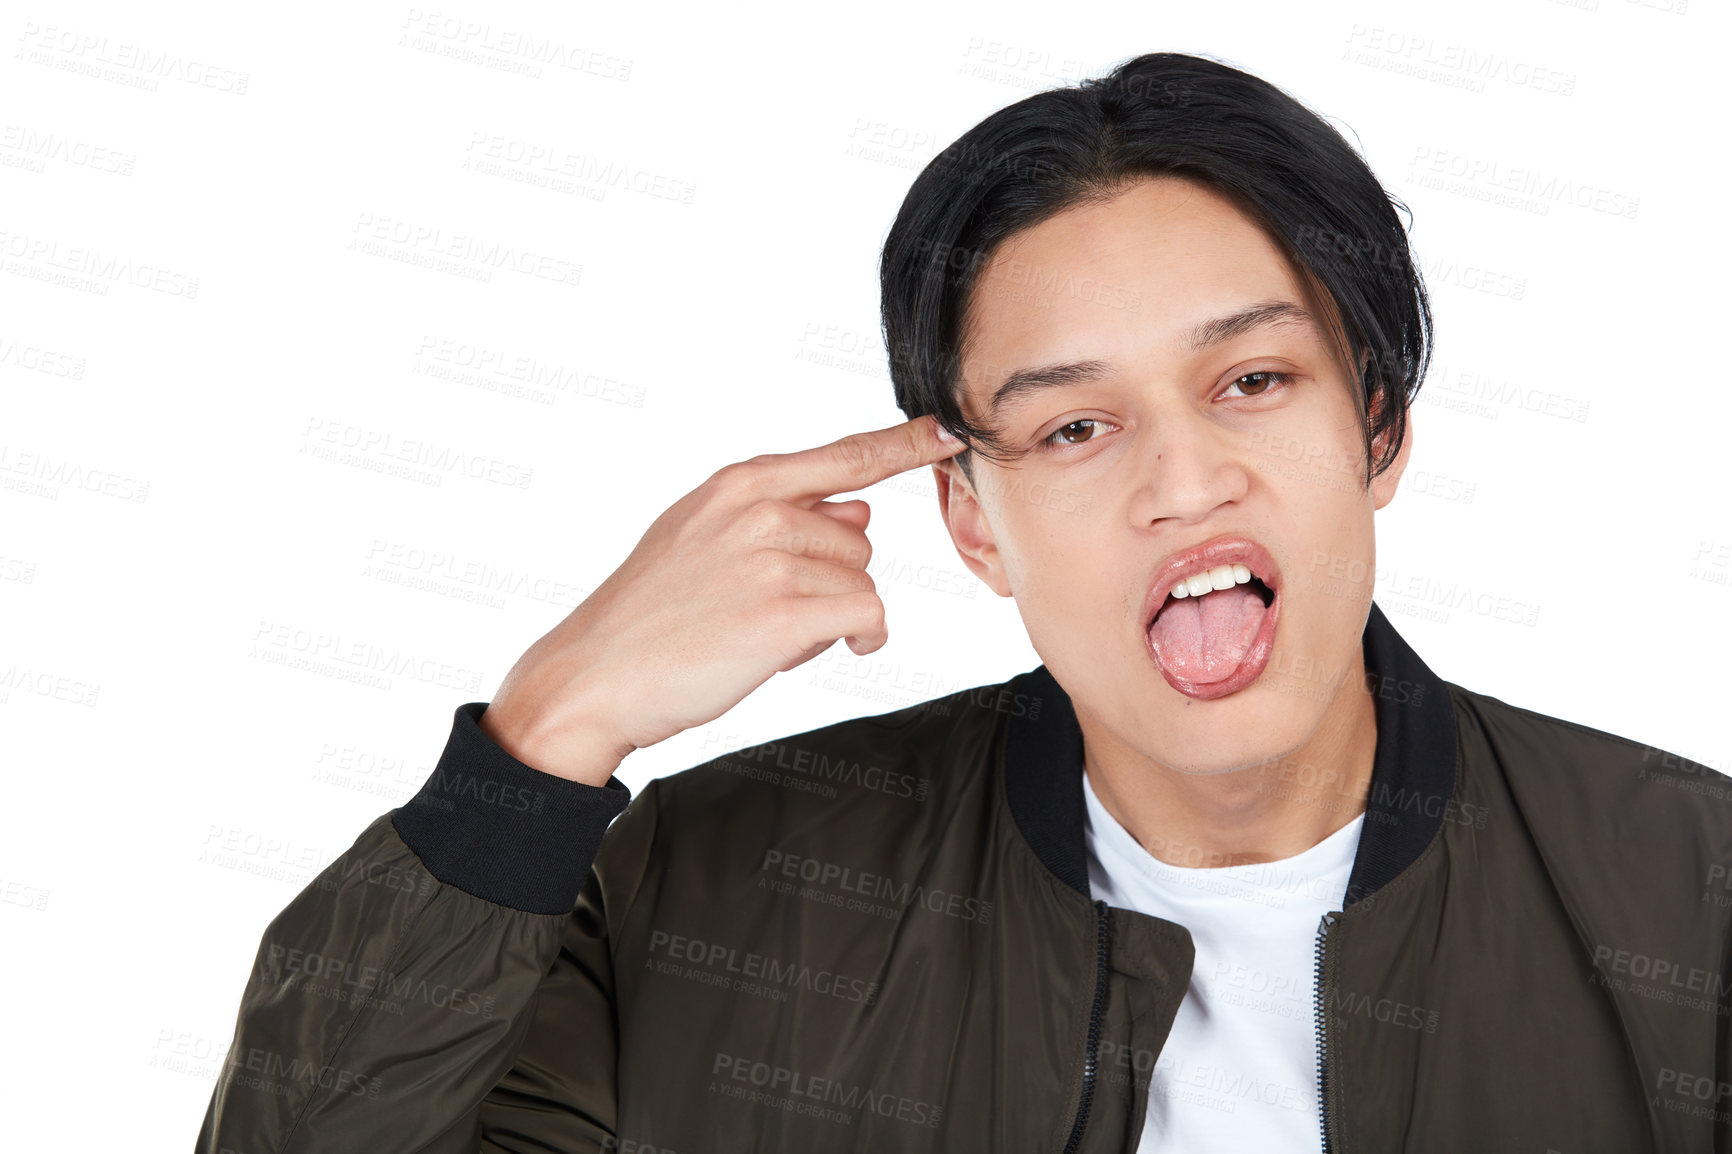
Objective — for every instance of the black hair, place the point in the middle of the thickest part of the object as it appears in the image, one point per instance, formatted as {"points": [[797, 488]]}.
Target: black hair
{"points": [[1159, 114]]}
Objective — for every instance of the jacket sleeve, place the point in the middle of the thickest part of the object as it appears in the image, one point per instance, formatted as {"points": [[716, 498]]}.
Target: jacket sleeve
{"points": [[391, 1004]]}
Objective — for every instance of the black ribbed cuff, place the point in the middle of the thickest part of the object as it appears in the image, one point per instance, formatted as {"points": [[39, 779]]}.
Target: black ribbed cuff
{"points": [[502, 830]]}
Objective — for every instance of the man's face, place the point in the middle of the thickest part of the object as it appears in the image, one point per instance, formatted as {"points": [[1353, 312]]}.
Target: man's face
{"points": [[1175, 435]]}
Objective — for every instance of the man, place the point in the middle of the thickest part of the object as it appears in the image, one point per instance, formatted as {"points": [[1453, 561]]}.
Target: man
{"points": [[1232, 869]]}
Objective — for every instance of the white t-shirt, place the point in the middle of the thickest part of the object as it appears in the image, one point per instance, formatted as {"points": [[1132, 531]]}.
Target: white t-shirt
{"points": [[1239, 1071]]}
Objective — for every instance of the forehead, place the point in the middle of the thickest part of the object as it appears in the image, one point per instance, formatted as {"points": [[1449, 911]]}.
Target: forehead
{"points": [[1121, 280]]}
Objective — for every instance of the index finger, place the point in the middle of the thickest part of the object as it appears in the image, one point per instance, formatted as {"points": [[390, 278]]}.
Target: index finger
{"points": [[859, 460]]}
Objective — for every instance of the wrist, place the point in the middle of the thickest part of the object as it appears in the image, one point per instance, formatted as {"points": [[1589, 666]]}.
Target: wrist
{"points": [[579, 751]]}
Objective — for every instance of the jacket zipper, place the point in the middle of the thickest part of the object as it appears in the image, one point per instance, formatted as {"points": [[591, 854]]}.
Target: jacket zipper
{"points": [[1323, 1032], [1094, 1038]]}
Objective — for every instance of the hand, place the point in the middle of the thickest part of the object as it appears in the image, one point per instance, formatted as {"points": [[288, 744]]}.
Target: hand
{"points": [[750, 574]]}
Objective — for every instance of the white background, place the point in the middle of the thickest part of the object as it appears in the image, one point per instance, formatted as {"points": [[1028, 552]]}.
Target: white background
{"points": [[170, 783]]}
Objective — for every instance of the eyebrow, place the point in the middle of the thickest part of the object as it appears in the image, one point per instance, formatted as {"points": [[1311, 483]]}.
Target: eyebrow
{"points": [[1268, 314]]}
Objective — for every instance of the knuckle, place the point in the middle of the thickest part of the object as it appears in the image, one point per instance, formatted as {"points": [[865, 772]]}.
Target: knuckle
{"points": [[765, 562], [738, 477], [780, 568], [765, 519], [858, 454]]}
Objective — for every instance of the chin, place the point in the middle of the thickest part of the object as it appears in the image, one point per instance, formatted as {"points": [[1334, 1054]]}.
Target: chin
{"points": [[1232, 733]]}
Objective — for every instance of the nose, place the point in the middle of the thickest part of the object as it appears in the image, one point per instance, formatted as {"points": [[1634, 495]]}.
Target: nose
{"points": [[1187, 468]]}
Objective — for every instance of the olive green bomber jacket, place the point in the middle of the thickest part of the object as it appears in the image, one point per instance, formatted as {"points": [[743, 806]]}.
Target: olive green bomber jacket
{"points": [[879, 935]]}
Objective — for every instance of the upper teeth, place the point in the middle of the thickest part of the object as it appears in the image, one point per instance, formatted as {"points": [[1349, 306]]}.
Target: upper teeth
{"points": [[1220, 577]]}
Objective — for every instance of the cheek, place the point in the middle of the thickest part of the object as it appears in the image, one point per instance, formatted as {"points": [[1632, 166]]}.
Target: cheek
{"points": [[1316, 475], [1052, 543], [1338, 567]]}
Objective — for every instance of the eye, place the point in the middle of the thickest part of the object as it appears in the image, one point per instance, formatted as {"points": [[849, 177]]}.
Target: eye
{"points": [[1059, 436], [1262, 383]]}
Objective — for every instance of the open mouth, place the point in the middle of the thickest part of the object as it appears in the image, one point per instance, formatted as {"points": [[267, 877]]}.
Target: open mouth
{"points": [[1214, 630]]}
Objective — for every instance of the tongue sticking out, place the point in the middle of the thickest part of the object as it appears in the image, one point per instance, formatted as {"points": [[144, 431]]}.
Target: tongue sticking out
{"points": [[1203, 639]]}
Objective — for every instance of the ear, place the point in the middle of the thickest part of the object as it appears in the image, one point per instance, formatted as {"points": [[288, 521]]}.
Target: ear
{"points": [[1384, 485], [970, 531]]}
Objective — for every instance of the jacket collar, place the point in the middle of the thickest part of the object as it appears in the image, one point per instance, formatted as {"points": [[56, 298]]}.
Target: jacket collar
{"points": [[1412, 772]]}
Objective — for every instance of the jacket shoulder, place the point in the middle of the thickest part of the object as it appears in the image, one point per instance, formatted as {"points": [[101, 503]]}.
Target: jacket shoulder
{"points": [[1588, 792], [914, 753], [1594, 758]]}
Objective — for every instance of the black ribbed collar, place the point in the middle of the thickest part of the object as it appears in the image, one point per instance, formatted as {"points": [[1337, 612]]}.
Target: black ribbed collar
{"points": [[1412, 772]]}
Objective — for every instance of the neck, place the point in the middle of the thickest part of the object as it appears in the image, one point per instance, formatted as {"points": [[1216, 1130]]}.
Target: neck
{"points": [[1259, 813]]}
